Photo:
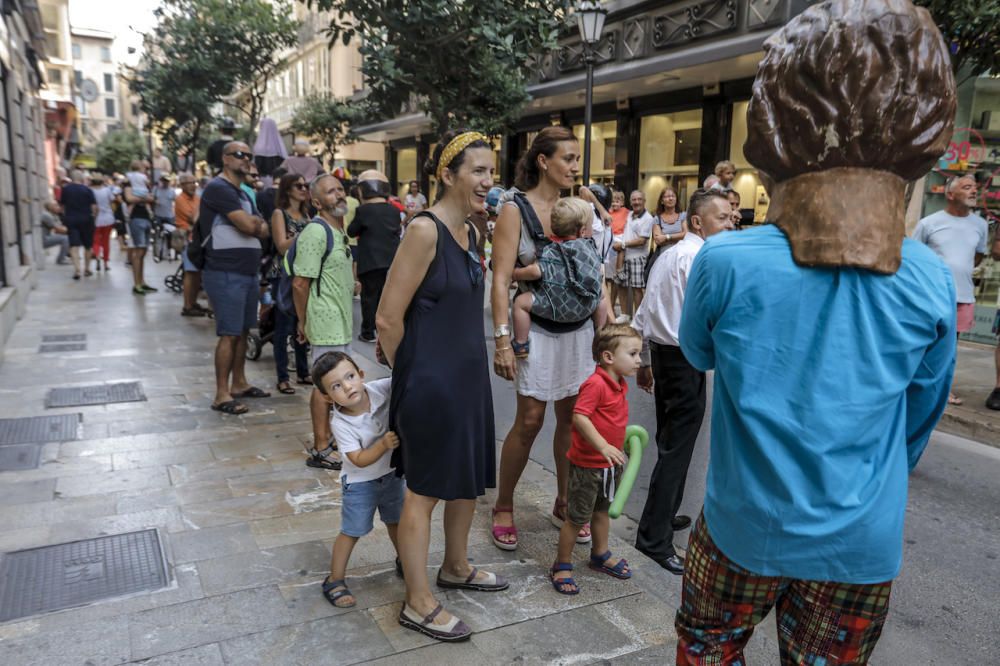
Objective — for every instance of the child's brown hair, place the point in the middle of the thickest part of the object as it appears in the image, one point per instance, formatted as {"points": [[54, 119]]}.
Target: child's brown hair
{"points": [[610, 338]]}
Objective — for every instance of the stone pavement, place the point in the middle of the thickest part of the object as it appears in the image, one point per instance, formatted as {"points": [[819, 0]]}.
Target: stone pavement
{"points": [[247, 528], [975, 377]]}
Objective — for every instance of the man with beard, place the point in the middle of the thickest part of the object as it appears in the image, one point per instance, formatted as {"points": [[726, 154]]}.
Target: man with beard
{"points": [[323, 290], [232, 257], [958, 236]]}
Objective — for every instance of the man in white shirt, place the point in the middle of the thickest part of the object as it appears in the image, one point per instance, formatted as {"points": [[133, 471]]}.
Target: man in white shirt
{"points": [[958, 236], [679, 387], [635, 242]]}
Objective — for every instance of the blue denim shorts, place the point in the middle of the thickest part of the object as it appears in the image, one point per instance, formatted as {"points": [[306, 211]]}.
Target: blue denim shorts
{"points": [[357, 510], [138, 232], [234, 298]]}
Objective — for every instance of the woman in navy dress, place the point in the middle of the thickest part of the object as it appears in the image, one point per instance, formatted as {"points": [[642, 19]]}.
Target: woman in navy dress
{"points": [[430, 325]]}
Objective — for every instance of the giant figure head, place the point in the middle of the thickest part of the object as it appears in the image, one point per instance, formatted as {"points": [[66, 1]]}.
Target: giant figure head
{"points": [[853, 99]]}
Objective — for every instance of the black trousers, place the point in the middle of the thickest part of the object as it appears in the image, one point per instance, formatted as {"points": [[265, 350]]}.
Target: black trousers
{"points": [[679, 392], [372, 283]]}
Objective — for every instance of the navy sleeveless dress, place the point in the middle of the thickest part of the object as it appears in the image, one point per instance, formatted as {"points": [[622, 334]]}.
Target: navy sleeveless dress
{"points": [[441, 404]]}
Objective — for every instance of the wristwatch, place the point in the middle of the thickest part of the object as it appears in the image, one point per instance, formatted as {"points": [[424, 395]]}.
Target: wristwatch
{"points": [[500, 331]]}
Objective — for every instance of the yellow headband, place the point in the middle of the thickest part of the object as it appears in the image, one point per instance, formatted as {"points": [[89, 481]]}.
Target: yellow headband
{"points": [[454, 147]]}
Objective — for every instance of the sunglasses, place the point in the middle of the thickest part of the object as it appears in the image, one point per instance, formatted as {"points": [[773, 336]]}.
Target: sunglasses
{"points": [[300, 186], [475, 267], [240, 155]]}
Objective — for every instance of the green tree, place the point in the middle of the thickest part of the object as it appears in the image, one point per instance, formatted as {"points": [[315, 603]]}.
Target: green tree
{"points": [[323, 117], [202, 52], [117, 149], [462, 63], [972, 30]]}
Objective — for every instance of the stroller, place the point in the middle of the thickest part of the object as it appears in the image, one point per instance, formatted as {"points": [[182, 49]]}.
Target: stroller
{"points": [[265, 331], [175, 282]]}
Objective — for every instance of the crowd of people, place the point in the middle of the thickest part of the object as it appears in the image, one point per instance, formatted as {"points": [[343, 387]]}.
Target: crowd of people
{"points": [[810, 452]]}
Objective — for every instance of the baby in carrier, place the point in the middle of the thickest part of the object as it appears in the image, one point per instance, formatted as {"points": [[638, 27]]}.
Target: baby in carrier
{"points": [[565, 280]]}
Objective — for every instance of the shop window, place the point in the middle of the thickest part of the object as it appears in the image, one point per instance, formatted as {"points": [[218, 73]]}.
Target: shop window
{"points": [[406, 170], [747, 182], [668, 154], [603, 137]]}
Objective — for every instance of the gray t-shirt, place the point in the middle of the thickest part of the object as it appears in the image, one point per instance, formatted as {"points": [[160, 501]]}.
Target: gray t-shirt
{"points": [[956, 240], [49, 222]]}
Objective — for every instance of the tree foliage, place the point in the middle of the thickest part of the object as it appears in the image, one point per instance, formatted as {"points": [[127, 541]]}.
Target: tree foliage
{"points": [[327, 119], [972, 30], [117, 150], [203, 51], [462, 63]]}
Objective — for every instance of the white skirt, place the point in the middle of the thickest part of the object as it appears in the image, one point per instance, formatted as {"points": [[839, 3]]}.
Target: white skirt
{"points": [[557, 364]]}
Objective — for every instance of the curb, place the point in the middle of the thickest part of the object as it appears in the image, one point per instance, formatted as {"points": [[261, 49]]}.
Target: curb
{"points": [[979, 428]]}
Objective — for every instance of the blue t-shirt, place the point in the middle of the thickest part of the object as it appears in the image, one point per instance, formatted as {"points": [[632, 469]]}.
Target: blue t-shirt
{"points": [[229, 249], [828, 383], [76, 200]]}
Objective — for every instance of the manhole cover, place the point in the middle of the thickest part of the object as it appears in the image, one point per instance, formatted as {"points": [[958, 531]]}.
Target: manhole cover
{"points": [[18, 457], [100, 394], [41, 429], [65, 337], [48, 348], [51, 578]]}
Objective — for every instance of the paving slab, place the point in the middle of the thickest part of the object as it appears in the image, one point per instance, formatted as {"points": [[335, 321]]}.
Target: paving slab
{"points": [[125, 480], [346, 639], [23, 492], [204, 655], [211, 543], [287, 564], [103, 642], [172, 628]]}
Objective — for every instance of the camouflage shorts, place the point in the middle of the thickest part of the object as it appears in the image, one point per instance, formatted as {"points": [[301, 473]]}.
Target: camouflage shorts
{"points": [[587, 492]]}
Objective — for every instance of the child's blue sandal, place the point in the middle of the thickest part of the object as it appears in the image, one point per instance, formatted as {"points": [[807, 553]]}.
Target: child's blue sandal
{"points": [[566, 585], [520, 349], [329, 587], [620, 570]]}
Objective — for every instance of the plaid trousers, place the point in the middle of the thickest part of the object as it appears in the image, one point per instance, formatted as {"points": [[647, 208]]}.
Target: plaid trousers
{"points": [[819, 623]]}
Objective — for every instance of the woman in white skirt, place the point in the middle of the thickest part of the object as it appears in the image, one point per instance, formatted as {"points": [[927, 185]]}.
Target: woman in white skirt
{"points": [[560, 357]]}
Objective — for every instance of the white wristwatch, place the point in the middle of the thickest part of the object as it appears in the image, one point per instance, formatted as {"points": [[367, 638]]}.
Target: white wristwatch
{"points": [[501, 331]]}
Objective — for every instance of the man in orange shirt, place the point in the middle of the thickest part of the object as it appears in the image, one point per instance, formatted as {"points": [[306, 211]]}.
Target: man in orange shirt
{"points": [[185, 214]]}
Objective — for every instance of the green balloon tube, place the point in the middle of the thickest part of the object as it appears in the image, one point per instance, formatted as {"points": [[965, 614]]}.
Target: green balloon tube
{"points": [[636, 439]]}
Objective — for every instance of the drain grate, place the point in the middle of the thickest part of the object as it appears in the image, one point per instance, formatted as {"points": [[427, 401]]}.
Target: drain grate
{"points": [[99, 394], [40, 429], [51, 578], [65, 337], [49, 347], [19, 457]]}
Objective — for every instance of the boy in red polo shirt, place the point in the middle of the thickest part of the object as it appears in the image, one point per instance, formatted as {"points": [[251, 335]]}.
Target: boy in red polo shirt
{"points": [[595, 456]]}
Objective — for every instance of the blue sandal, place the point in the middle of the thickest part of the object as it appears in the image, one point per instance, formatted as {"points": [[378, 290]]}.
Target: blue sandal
{"points": [[560, 583], [620, 570], [328, 591], [520, 349]]}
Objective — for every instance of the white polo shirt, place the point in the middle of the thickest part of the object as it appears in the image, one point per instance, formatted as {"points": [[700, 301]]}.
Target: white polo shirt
{"points": [[354, 433]]}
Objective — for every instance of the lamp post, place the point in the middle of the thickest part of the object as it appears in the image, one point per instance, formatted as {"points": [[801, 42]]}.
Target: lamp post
{"points": [[590, 20]]}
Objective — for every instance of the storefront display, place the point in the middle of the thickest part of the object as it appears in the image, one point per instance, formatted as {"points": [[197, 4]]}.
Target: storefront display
{"points": [[668, 154]]}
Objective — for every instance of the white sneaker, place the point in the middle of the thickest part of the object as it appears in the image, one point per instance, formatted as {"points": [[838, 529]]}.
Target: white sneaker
{"points": [[623, 319]]}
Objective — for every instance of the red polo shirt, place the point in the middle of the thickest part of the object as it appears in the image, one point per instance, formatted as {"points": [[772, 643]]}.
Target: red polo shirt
{"points": [[604, 402]]}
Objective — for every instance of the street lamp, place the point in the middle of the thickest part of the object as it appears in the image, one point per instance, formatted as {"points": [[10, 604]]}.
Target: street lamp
{"points": [[590, 20]]}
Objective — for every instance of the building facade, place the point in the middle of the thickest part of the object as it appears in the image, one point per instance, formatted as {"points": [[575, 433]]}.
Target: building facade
{"points": [[23, 182], [96, 87], [316, 66], [671, 88], [61, 135]]}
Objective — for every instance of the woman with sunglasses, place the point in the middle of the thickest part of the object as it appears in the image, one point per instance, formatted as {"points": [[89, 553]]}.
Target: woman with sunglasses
{"points": [[430, 326], [290, 216]]}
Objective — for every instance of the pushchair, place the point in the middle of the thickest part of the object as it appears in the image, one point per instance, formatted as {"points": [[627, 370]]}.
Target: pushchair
{"points": [[265, 331], [175, 282]]}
